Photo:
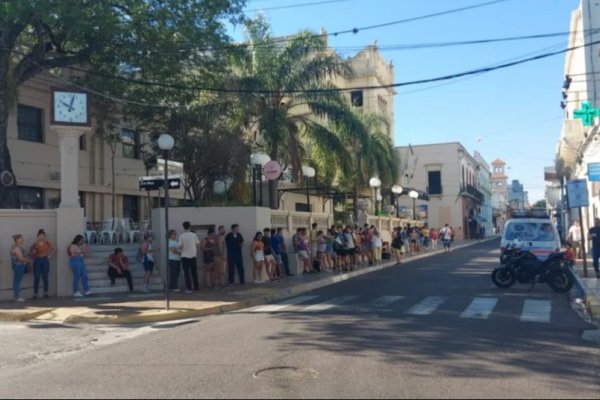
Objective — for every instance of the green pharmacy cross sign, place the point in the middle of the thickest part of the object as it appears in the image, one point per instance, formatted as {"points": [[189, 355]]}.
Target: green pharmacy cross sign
{"points": [[587, 114]]}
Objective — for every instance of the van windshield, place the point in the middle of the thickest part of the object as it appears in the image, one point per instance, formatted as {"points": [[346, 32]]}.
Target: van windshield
{"points": [[530, 231]]}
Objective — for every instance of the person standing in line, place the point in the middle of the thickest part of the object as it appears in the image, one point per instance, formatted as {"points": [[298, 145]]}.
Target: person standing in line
{"points": [[257, 251], [397, 245], [208, 257], [41, 250], [446, 235], [19, 262], [594, 237], [220, 258], [276, 250], [270, 265], [235, 261], [188, 244], [148, 261], [284, 256], [322, 251], [433, 238], [312, 235], [118, 267], [174, 261], [377, 246], [77, 251], [574, 237]]}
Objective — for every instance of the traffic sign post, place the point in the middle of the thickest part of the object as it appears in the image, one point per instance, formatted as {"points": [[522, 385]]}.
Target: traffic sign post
{"points": [[577, 194], [149, 183]]}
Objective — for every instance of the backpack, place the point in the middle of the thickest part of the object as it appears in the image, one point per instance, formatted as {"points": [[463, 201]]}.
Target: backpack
{"points": [[139, 256]]}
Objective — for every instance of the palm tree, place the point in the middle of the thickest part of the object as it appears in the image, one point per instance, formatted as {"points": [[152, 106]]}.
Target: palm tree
{"points": [[371, 154], [291, 112]]}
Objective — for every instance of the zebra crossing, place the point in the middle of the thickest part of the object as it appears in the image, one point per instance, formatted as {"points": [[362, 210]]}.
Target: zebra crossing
{"points": [[538, 311]]}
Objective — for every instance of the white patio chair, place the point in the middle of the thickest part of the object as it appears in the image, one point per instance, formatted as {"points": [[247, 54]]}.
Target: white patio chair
{"points": [[108, 234], [130, 234], [90, 235]]}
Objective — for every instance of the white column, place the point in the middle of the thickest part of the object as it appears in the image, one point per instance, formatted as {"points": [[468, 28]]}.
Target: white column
{"points": [[69, 215], [68, 145]]}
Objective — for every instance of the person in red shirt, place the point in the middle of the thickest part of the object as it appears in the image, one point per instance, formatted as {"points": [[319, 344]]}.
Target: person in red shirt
{"points": [[118, 267]]}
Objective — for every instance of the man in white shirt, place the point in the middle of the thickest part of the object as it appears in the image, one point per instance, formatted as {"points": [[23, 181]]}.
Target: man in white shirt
{"points": [[575, 237], [188, 243]]}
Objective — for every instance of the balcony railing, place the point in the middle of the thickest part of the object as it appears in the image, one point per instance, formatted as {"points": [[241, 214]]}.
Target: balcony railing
{"points": [[472, 191]]}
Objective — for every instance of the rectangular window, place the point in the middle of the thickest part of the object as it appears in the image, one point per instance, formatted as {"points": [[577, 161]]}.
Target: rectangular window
{"points": [[302, 207], [30, 123], [31, 197], [131, 144], [435, 182], [82, 142], [356, 98], [131, 207]]}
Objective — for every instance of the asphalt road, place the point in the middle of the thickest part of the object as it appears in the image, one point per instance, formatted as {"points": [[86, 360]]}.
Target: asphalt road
{"points": [[435, 328]]}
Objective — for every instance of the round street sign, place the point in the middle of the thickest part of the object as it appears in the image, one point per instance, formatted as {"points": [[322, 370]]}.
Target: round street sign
{"points": [[272, 170]]}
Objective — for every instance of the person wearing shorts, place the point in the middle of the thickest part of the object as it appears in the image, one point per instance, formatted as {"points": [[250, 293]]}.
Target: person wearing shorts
{"points": [[257, 251], [148, 262], [446, 235], [220, 259]]}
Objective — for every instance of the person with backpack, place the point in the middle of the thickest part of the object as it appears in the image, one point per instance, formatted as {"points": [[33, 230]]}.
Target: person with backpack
{"points": [[41, 250], [398, 245], [446, 235]]}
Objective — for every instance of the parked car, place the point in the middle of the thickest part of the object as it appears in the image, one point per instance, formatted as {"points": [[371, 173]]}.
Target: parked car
{"points": [[535, 231]]}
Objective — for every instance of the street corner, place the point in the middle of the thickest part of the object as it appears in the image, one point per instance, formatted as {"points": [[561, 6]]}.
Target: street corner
{"points": [[22, 315], [130, 317]]}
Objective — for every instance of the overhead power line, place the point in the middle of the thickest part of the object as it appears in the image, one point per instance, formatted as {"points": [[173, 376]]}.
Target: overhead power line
{"points": [[298, 5]]}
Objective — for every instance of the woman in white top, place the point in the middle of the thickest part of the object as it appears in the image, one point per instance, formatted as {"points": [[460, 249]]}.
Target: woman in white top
{"points": [[174, 261], [258, 255], [377, 245]]}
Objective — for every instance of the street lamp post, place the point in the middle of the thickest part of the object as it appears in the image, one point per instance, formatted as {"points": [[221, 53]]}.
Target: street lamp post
{"points": [[166, 143], [397, 191], [375, 183], [258, 160], [308, 172], [414, 195]]}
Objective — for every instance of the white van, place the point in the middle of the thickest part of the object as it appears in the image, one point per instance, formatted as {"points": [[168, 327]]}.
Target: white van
{"points": [[536, 232]]}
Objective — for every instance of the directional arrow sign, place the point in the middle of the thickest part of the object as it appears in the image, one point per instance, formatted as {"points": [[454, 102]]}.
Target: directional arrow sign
{"points": [[148, 183]]}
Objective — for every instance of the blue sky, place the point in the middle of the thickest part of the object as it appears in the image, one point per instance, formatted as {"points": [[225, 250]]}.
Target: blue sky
{"points": [[512, 114]]}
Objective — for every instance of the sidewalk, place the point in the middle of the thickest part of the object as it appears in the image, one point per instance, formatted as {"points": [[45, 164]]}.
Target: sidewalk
{"points": [[149, 308], [589, 288]]}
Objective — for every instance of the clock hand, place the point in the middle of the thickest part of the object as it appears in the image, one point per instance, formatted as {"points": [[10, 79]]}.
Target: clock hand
{"points": [[72, 100], [70, 107]]}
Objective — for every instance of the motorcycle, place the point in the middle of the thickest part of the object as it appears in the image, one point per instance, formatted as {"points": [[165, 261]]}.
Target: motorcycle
{"points": [[524, 266]]}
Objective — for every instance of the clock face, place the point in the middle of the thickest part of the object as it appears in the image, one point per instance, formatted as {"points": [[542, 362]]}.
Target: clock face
{"points": [[70, 107]]}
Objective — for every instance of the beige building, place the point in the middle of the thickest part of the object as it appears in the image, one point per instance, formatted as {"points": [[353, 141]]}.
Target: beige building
{"points": [[450, 177]]}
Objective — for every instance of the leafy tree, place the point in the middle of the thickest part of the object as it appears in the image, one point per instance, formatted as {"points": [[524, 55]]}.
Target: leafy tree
{"points": [[155, 40], [540, 204]]}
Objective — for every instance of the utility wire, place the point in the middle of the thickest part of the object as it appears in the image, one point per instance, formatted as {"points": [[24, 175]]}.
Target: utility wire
{"points": [[314, 3]]}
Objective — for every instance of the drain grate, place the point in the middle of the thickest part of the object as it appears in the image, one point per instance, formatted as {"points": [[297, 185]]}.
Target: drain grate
{"points": [[286, 373]]}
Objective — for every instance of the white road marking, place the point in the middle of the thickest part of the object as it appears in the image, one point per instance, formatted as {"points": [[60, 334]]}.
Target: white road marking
{"points": [[480, 307], [329, 304], [427, 306], [383, 301], [536, 311], [284, 304]]}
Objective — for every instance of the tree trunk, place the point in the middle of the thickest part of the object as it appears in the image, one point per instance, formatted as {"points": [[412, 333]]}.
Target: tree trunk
{"points": [[9, 191], [114, 190], [355, 203], [274, 184]]}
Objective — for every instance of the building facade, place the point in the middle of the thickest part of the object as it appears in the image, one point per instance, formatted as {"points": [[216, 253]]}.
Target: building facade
{"points": [[485, 186], [450, 177], [517, 197], [499, 194]]}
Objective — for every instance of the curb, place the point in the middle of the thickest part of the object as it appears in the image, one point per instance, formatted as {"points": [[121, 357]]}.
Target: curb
{"points": [[163, 316], [22, 316], [591, 302]]}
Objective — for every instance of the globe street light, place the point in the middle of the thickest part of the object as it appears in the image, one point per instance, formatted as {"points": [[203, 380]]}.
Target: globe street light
{"points": [[397, 191], [413, 194], [166, 143], [308, 172], [258, 160], [375, 183]]}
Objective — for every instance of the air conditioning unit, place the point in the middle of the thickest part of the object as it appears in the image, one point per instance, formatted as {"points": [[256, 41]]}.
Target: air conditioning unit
{"points": [[54, 175]]}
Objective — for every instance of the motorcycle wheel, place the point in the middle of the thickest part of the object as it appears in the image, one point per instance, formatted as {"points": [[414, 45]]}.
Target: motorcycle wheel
{"points": [[560, 281], [503, 277]]}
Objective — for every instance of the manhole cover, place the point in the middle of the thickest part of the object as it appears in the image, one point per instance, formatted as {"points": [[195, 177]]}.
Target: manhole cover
{"points": [[291, 373]]}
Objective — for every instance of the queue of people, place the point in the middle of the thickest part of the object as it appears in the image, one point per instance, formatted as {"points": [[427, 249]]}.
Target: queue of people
{"points": [[337, 249]]}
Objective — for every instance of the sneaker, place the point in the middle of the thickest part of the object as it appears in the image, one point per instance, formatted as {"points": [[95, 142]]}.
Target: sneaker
{"points": [[176, 290], [88, 293], [77, 294], [20, 300], [112, 284], [146, 289], [188, 291]]}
